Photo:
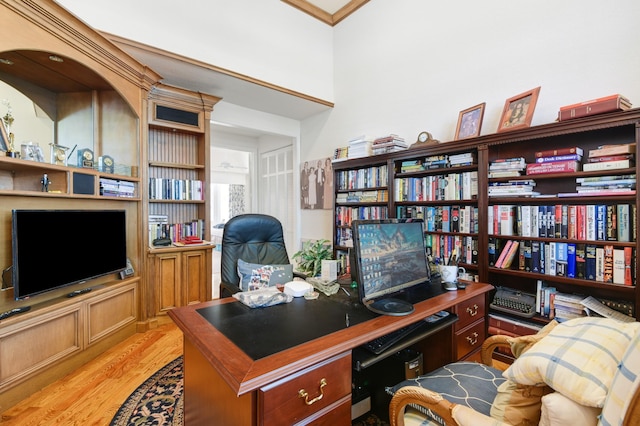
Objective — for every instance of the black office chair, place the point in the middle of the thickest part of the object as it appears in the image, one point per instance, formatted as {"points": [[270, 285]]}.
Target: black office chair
{"points": [[254, 238]]}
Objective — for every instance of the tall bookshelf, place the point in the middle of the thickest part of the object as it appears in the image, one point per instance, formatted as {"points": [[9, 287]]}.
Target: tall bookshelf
{"points": [[178, 159], [587, 133]]}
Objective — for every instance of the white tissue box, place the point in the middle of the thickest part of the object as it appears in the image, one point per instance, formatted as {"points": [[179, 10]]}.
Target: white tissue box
{"points": [[329, 270], [297, 288]]}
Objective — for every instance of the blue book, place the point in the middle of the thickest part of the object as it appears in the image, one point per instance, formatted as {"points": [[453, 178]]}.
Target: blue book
{"points": [[542, 221], [535, 256], [601, 222], [590, 262], [571, 260]]}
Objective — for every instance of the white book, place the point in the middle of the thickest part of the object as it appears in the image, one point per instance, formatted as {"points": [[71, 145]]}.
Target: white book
{"points": [[490, 221], [526, 220], [551, 264], [600, 264], [607, 165], [591, 222], [618, 266], [535, 224]]}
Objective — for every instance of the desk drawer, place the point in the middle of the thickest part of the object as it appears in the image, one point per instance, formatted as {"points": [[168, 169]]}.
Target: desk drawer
{"points": [[469, 311], [470, 339], [325, 383]]}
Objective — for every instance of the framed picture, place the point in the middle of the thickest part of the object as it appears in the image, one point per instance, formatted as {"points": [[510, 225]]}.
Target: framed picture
{"points": [[4, 138], [470, 122], [518, 110]]}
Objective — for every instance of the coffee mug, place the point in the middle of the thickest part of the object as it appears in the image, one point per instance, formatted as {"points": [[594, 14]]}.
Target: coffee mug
{"points": [[450, 273]]}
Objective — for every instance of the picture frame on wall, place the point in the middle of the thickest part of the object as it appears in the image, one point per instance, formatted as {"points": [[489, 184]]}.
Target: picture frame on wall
{"points": [[470, 122], [518, 110], [4, 138]]}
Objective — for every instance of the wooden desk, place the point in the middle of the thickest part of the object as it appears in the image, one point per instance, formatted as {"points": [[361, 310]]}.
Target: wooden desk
{"points": [[222, 384]]}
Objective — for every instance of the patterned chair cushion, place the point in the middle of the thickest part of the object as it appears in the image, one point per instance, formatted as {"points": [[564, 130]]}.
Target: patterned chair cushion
{"points": [[625, 383], [480, 385], [578, 358]]}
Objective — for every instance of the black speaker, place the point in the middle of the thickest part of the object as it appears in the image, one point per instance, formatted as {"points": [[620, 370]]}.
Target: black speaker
{"points": [[84, 184], [176, 115]]}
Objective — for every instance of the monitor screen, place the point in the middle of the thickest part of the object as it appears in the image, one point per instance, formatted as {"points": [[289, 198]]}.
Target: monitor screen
{"points": [[390, 255]]}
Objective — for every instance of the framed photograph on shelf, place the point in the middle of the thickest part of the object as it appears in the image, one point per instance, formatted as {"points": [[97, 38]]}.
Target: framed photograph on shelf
{"points": [[4, 138], [518, 110], [470, 122]]}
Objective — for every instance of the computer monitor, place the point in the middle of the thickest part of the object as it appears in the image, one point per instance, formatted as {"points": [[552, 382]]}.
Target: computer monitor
{"points": [[390, 258]]}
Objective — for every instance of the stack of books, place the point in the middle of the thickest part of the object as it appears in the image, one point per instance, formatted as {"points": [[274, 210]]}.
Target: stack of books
{"points": [[513, 188], [341, 154], [561, 160], [389, 143], [464, 159], [606, 185], [611, 157], [360, 147], [609, 103], [507, 167], [117, 188], [568, 306], [408, 166]]}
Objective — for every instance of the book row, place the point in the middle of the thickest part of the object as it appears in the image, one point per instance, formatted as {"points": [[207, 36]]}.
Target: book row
{"points": [[160, 228], [345, 215], [376, 195], [591, 222], [606, 264], [462, 219], [438, 162], [452, 186], [117, 188], [465, 249], [370, 177], [175, 189]]}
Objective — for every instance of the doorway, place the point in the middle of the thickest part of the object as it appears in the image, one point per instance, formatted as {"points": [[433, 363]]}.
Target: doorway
{"points": [[250, 173]]}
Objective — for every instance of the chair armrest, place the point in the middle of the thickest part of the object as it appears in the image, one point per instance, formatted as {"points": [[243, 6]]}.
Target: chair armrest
{"points": [[228, 289], [490, 344], [423, 397]]}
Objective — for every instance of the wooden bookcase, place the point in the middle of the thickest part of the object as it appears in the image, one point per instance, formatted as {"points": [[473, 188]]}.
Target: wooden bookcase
{"points": [[177, 187], [587, 133], [95, 96]]}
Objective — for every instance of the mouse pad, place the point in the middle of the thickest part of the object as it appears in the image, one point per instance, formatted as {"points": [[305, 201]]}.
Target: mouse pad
{"points": [[261, 332]]}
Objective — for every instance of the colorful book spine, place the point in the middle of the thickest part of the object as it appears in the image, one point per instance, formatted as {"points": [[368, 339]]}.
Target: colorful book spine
{"points": [[553, 167], [560, 151]]}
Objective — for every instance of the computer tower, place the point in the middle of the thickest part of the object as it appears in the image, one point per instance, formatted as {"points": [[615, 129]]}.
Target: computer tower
{"points": [[368, 385]]}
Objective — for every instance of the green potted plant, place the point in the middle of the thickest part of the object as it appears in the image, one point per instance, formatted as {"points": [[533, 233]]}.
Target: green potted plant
{"points": [[309, 259]]}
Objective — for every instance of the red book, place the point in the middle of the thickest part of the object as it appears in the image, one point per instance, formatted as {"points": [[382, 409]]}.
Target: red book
{"points": [[594, 106], [553, 167], [560, 151], [610, 158], [628, 274]]}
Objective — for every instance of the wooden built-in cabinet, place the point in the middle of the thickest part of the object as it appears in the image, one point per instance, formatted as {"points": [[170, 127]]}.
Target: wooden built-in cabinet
{"points": [[178, 170], [94, 96], [386, 186]]}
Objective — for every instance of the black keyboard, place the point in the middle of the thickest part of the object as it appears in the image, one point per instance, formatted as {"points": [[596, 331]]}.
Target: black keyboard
{"points": [[383, 343]]}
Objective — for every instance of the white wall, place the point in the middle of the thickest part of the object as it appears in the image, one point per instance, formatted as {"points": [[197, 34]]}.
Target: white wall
{"points": [[264, 39], [404, 66]]}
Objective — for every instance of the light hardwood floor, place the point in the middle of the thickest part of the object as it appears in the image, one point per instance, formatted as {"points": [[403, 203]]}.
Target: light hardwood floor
{"points": [[92, 394]]}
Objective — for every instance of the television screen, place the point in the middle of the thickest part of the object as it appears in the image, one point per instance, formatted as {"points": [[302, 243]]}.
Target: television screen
{"points": [[50, 252], [390, 255]]}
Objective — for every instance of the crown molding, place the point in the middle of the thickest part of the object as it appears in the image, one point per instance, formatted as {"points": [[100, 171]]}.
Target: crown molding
{"points": [[324, 16]]}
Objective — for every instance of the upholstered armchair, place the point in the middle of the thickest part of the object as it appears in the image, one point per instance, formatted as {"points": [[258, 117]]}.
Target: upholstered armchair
{"points": [[251, 240], [583, 372]]}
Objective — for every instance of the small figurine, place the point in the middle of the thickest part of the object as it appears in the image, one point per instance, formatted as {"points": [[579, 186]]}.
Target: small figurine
{"points": [[45, 183]]}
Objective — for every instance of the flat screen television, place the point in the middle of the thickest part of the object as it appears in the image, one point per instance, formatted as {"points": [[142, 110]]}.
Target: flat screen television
{"points": [[390, 260], [48, 251]]}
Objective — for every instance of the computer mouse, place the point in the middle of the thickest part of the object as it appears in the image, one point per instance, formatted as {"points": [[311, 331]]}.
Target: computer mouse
{"points": [[461, 285], [449, 286]]}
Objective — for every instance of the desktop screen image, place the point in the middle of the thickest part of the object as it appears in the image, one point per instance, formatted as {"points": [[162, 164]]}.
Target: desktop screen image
{"points": [[390, 256]]}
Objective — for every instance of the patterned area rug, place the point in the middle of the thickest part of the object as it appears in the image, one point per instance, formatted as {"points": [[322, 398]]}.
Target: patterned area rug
{"points": [[157, 402]]}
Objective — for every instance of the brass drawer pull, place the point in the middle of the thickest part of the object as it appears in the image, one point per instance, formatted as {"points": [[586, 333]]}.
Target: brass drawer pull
{"points": [[303, 393], [473, 339], [472, 311]]}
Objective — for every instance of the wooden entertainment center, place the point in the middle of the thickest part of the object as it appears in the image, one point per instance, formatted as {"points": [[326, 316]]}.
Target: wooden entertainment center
{"points": [[95, 97]]}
